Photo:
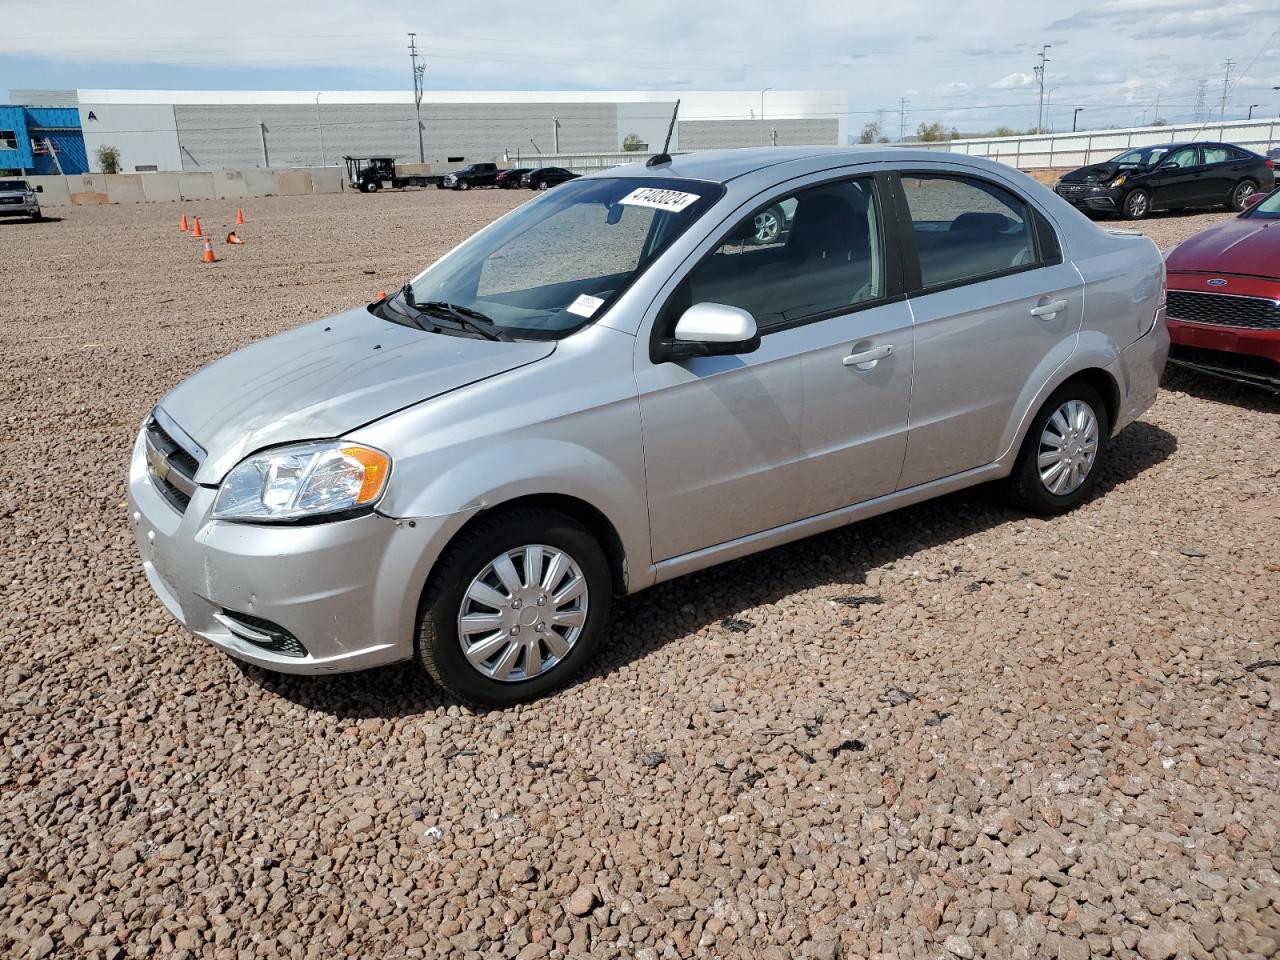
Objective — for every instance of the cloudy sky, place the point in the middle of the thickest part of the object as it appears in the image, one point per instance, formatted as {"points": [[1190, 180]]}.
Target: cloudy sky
{"points": [[965, 63]]}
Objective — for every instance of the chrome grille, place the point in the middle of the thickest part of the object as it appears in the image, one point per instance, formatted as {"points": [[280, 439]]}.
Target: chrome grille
{"points": [[171, 462], [1222, 309]]}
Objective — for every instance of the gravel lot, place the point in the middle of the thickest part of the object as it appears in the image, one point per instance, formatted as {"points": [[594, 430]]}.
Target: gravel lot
{"points": [[949, 732]]}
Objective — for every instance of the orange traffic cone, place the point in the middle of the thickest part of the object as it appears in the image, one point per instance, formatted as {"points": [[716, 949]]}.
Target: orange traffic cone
{"points": [[382, 294], [208, 256], [183, 226], [232, 238], [196, 231], [239, 217]]}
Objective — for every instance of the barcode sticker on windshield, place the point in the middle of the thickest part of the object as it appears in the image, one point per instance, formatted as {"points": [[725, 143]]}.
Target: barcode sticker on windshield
{"points": [[585, 305], [673, 200]]}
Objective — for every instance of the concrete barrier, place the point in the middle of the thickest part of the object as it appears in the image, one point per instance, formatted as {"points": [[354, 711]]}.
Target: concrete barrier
{"points": [[195, 185], [158, 187], [261, 183], [230, 185], [294, 183], [327, 179], [124, 188], [55, 193], [87, 189]]}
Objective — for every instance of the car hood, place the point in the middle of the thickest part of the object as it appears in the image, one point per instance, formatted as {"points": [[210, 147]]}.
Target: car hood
{"points": [[1249, 246], [325, 379], [1095, 173]]}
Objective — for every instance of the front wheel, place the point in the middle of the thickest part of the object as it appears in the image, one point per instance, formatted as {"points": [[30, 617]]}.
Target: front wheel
{"points": [[543, 185], [1137, 204], [373, 186], [1243, 191], [515, 609], [1062, 453], [464, 185]]}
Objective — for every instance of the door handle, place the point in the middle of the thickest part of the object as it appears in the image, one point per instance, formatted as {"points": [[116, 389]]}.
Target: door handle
{"points": [[1049, 309], [867, 358]]}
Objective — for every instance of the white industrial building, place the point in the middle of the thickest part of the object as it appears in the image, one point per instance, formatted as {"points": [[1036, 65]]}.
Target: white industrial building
{"points": [[226, 129]]}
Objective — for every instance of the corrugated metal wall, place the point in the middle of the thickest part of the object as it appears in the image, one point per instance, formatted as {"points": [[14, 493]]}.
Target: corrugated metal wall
{"points": [[722, 134]]}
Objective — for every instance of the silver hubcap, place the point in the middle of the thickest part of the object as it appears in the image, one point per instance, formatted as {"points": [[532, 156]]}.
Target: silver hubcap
{"points": [[767, 227], [523, 613], [1138, 203], [1243, 192], [1068, 447]]}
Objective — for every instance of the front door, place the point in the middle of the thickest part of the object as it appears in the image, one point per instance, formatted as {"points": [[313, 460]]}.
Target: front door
{"points": [[814, 419], [995, 308], [1179, 180]]}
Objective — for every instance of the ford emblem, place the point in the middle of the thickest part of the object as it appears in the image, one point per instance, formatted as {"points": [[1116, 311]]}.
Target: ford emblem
{"points": [[1216, 282]]}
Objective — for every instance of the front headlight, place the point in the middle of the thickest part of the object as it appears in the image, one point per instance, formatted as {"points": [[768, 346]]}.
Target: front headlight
{"points": [[1119, 181], [303, 480]]}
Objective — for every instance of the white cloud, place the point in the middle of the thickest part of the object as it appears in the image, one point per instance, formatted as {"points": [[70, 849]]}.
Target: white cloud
{"points": [[1014, 81]]}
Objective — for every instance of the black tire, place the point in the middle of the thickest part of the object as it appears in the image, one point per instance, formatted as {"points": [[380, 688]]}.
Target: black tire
{"points": [[439, 648], [37, 217], [1136, 204], [464, 184], [769, 225], [543, 185], [1240, 193], [1024, 485], [373, 186]]}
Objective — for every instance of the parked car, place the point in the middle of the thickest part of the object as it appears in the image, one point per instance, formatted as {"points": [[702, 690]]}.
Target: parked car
{"points": [[510, 179], [606, 388], [472, 175], [545, 177], [1168, 176], [1224, 297], [18, 199]]}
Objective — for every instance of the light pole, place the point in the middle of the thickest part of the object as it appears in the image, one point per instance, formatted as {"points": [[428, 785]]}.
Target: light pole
{"points": [[1251, 109], [1075, 116], [418, 71], [762, 126], [320, 127]]}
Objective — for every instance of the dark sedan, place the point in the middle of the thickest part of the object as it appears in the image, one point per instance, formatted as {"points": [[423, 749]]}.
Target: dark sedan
{"points": [[1168, 176], [545, 177], [510, 179]]}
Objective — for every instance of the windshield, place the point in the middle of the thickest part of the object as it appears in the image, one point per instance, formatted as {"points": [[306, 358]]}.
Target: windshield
{"points": [[14, 185], [1268, 209], [1142, 158], [556, 263]]}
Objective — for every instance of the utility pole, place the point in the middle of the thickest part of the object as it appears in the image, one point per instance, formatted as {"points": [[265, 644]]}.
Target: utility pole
{"points": [[1039, 71], [555, 135], [1155, 116], [1226, 87], [1202, 90], [418, 71], [1074, 117], [902, 119]]}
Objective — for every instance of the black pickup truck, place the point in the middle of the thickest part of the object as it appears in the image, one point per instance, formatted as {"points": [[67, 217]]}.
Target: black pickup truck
{"points": [[472, 175], [371, 174]]}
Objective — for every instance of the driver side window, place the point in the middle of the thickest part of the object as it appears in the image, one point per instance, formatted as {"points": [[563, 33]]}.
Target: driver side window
{"points": [[1182, 159], [814, 253]]}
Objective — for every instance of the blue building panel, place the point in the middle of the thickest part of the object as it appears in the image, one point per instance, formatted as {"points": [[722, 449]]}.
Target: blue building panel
{"points": [[42, 140]]}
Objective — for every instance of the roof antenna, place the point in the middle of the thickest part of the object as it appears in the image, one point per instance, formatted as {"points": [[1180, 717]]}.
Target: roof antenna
{"points": [[660, 158]]}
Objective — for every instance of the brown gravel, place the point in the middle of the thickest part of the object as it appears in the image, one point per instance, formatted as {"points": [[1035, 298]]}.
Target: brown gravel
{"points": [[949, 732]]}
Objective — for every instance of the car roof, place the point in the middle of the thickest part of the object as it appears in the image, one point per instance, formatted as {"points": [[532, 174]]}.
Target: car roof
{"points": [[721, 166]]}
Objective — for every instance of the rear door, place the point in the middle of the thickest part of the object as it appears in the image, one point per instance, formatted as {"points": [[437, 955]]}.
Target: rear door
{"points": [[995, 306]]}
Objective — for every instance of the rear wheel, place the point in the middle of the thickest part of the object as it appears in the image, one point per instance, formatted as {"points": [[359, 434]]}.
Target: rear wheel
{"points": [[1061, 455], [373, 186], [1243, 191], [1136, 205], [516, 608]]}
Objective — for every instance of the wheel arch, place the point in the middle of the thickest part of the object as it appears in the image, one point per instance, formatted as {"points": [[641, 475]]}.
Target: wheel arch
{"points": [[1092, 372], [590, 516]]}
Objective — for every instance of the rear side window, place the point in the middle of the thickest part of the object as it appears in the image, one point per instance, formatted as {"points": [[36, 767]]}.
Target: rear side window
{"points": [[966, 229], [1216, 154]]}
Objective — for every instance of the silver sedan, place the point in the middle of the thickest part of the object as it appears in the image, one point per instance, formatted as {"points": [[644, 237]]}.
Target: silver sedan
{"points": [[639, 374]]}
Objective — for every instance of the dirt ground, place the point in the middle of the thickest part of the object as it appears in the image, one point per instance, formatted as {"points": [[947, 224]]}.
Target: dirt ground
{"points": [[951, 731]]}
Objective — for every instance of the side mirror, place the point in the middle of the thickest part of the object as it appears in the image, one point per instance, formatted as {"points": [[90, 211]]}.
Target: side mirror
{"points": [[712, 330], [39, 188], [1254, 199]]}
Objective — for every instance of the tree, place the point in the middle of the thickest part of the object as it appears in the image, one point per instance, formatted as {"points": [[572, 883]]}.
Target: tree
{"points": [[870, 133], [108, 159], [1159, 122], [932, 132], [632, 143]]}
